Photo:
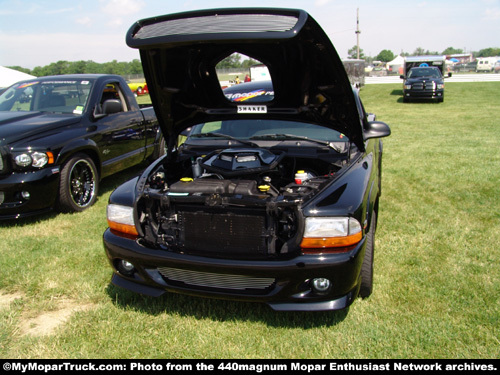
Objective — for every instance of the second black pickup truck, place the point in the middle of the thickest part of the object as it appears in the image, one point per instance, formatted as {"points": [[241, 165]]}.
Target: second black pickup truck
{"points": [[60, 135], [424, 78]]}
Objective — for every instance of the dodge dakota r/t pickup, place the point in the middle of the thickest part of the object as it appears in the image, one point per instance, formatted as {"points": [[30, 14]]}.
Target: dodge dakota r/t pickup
{"points": [[273, 197]]}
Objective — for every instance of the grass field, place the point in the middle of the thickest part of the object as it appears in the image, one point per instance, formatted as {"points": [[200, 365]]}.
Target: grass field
{"points": [[437, 275]]}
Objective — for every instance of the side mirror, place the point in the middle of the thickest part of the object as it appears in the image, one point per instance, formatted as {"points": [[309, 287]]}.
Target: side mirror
{"points": [[402, 76], [377, 129], [449, 74]]}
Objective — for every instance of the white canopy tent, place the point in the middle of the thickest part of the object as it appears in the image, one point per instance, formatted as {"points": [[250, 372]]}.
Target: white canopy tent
{"points": [[397, 64], [11, 76], [398, 60]]}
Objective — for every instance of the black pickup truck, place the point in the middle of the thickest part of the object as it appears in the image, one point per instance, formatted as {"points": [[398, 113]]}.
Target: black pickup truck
{"points": [[274, 194], [60, 135], [424, 78]]}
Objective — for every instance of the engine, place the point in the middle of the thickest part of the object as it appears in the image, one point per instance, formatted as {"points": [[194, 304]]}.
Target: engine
{"points": [[234, 203]]}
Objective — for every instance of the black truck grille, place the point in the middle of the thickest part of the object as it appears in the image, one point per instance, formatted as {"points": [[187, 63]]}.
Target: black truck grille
{"points": [[231, 234], [425, 86]]}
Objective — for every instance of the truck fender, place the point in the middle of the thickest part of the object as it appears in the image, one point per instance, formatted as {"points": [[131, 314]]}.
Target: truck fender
{"points": [[86, 146]]}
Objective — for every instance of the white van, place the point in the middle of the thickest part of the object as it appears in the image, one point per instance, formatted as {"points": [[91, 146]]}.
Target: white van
{"points": [[486, 64]]}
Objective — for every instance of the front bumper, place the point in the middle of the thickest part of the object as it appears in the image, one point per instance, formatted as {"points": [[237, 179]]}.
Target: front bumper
{"points": [[423, 94], [284, 285], [41, 186]]}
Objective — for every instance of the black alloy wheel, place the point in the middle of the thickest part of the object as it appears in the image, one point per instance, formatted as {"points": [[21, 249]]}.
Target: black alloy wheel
{"points": [[78, 185]]}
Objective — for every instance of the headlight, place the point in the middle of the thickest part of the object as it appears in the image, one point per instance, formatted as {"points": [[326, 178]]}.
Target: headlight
{"points": [[35, 159], [330, 232], [121, 219], [407, 87], [39, 159], [23, 160], [440, 86]]}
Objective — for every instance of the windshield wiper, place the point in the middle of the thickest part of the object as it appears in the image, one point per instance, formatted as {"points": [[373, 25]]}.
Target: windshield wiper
{"points": [[340, 147], [225, 136]]}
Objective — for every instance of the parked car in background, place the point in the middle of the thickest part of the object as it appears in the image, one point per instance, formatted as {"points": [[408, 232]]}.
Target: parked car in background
{"points": [[60, 135], [497, 67], [274, 195], [471, 66], [459, 67], [138, 88]]}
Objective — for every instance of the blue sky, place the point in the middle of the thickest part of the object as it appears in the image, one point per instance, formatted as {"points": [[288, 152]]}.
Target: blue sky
{"points": [[37, 33]]}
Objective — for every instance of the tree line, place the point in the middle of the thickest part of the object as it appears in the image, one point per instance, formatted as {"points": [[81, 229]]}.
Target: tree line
{"points": [[387, 55], [85, 67], [115, 67], [233, 61]]}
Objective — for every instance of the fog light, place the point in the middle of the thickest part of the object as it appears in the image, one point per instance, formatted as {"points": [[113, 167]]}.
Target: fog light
{"points": [[25, 194], [124, 267], [321, 285]]}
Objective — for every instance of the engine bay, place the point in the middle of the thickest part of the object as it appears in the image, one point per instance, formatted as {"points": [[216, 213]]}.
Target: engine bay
{"points": [[215, 204]]}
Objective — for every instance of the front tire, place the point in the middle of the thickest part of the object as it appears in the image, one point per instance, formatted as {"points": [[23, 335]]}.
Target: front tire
{"points": [[366, 287], [78, 185]]}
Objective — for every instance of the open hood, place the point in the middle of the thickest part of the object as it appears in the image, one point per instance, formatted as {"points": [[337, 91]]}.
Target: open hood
{"points": [[179, 54]]}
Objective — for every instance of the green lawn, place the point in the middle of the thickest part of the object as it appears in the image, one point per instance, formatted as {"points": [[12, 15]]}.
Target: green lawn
{"points": [[437, 275]]}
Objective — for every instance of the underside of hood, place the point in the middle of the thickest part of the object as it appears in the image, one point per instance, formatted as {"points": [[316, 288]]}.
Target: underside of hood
{"points": [[179, 54]]}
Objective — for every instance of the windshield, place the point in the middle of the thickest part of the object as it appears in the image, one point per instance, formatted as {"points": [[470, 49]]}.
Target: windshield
{"points": [[267, 129], [55, 96], [424, 72]]}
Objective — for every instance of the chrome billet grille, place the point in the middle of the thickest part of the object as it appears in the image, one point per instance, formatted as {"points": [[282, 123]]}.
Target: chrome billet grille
{"points": [[232, 23], [1, 163], [216, 280]]}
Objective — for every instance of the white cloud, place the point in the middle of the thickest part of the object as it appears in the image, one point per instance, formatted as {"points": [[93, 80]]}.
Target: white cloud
{"points": [[86, 21], [58, 11], [115, 22], [121, 7], [492, 14], [118, 9]]}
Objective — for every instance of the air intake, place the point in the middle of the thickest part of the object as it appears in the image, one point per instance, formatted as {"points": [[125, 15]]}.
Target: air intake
{"points": [[216, 280]]}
